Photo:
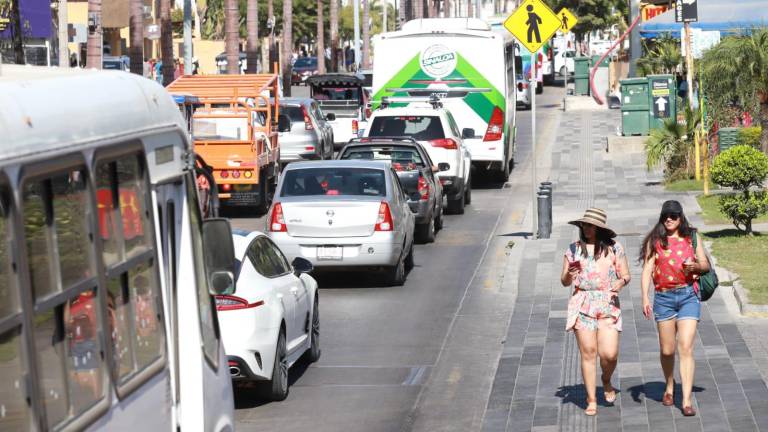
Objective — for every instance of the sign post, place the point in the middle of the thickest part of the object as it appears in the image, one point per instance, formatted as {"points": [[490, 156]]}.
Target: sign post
{"points": [[686, 11], [532, 24]]}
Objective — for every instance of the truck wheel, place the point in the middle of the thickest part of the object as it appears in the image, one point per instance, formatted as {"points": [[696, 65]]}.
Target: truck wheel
{"points": [[456, 204], [265, 191]]}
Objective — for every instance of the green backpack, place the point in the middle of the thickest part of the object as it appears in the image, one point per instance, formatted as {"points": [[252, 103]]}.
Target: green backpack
{"points": [[707, 281]]}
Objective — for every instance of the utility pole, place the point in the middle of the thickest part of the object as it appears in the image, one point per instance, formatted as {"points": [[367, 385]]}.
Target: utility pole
{"points": [[63, 34], [356, 23], [188, 37], [689, 79], [635, 49]]}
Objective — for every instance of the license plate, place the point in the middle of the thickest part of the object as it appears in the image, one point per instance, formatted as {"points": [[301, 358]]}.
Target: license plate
{"points": [[330, 252]]}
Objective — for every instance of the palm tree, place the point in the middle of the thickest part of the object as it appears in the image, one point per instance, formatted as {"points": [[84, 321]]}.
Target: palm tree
{"points": [[231, 36], [272, 53], [252, 24], [672, 145], [16, 35], [287, 45], [447, 8], [320, 37], [334, 35], [736, 69], [137, 37], [93, 57], [418, 9], [662, 57], [366, 35], [166, 41]]}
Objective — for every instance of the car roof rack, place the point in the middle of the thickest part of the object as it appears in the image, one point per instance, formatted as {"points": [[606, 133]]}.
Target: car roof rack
{"points": [[433, 100], [367, 140]]}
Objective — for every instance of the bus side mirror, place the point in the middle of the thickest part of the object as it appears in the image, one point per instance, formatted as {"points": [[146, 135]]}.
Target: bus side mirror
{"points": [[219, 254]]}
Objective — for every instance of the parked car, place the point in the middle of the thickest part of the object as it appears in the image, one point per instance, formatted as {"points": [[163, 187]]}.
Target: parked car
{"points": [[272, 319], [564, 63], [523, 91], [342, 95], [344, 214], [303, 131], [434, 128], [416, 172], [122, 63], [303, 68]]}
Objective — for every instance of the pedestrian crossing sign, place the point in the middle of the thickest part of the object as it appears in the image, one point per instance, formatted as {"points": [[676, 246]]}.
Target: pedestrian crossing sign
{"points": [[533, 23], [568, 19]]}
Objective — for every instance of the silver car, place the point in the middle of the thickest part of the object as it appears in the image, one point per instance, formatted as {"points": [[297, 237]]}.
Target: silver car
{"points": [[303, 131], [344, 213]]}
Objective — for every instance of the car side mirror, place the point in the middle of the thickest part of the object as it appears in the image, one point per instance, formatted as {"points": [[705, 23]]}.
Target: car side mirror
{"points": [[467, 133], [443, 166], [283, 123], [219, 255], [301, 265], [330, 116]]}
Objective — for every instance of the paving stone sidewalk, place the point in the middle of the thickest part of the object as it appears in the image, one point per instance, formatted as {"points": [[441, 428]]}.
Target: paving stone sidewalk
{"points": [[538, 382]]}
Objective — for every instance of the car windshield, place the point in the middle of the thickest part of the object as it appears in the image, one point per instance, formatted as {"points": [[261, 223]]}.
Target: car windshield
{"points": [[421, 128], [402, 158], [112, 65], [305, 62], [334, 181], [295, 113]]}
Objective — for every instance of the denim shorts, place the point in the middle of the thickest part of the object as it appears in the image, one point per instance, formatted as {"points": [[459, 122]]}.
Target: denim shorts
{"points": [[681, 303]]}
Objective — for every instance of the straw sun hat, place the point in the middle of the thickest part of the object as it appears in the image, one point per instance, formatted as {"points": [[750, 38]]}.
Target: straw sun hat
{"points": [[597, 217]]}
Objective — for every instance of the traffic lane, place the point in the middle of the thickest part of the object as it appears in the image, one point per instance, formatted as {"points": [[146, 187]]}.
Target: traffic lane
{"points": [[380, 343]]}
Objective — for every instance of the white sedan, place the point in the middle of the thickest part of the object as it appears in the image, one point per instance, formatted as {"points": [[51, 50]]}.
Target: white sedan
{"points": [[272, 318]]}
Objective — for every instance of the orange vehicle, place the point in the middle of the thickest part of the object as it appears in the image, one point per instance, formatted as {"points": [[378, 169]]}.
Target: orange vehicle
{"points": [[233, 130]]}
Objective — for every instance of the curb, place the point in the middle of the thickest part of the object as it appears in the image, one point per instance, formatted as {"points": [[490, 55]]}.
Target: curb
{"points": [[745, 306]]}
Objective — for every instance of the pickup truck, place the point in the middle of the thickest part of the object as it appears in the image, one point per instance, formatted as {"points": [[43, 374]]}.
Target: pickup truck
{"points": [[344, 96]]}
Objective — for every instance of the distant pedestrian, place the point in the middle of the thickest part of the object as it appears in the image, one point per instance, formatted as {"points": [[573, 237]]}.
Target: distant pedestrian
{"points": [[670, 261], [597, 268]]}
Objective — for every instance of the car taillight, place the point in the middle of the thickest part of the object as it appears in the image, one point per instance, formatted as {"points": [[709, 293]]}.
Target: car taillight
{"points": [[277, 221], [384, 220], [495, 125], [446, 143], [307, 120], [423, 189], [355, 127], [229, 302], [224, 174]]}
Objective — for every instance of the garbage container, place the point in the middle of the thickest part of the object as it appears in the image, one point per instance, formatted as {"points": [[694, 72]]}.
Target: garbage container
{"points": [[604, 63], [727, 138], [663, 100], [634, 106], [581, 67]]}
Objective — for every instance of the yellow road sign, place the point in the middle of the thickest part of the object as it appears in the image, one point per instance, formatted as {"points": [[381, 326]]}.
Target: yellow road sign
{"points": [[533, 23], [568, 19]]}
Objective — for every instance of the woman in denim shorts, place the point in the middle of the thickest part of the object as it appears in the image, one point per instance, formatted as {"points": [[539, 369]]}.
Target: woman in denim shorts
{"points": [[670, 261]]}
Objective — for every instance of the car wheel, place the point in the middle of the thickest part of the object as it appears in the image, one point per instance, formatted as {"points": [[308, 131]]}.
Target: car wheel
{"points": [[314, 333], [539, 88], [409, 263], [456, 205], [439, 218], [468, 192], [278, 385], [426, 232], [502, 175], [396, 274]]}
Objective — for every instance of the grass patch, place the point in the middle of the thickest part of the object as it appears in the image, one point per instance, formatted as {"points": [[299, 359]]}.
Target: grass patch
{"points": [[746, 257], [688, 185], [710, 211]]}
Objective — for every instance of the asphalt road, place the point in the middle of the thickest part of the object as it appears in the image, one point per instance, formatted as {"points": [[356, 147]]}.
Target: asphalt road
{"points": [[380, 344]]}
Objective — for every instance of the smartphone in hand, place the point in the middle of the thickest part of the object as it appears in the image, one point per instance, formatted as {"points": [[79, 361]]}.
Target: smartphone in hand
{"points": [[574, 265]]}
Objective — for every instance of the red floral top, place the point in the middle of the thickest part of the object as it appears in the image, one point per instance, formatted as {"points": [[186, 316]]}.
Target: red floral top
{"points": [[668, 272]]}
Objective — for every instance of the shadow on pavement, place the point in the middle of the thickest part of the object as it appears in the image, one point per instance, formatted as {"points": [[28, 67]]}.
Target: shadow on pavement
{"points": [[731, 232], [654, 391], [239, 212], [352, 279], [251, 395]]}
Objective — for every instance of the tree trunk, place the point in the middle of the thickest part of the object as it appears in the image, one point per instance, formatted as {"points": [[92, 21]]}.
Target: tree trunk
{"points": [[287, 45], [232, 36], [334, 36], [252, 26], [166, 41], [764, 125], [272, 54], [136, 51], [16, 34], [447, 8], [320, 38], [366, 34], [94, 44], [418, 9]]}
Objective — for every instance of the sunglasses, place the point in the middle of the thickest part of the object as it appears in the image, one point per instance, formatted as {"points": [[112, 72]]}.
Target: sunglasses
{"points": [[673, 216]]}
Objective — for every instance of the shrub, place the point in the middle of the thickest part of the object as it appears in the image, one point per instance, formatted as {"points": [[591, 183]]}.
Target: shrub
{"points": [[750, 136], [742, 167]]}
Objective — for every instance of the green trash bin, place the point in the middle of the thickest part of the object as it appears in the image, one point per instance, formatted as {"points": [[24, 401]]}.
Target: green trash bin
{"points": [[634, 106], [581, 67], [662, 90], [604, 63], [727, 138]]}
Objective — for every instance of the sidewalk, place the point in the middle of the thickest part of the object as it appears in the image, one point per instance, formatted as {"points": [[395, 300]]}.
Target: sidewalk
{"points": [[538, 380]]}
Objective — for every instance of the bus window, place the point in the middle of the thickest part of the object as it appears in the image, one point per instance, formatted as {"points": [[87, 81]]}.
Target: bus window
{"points": [[14, 414], [66, 326], [133, 293]]}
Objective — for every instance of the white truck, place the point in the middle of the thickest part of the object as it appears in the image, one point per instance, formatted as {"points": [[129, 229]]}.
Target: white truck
{"points": [[342, 95]]}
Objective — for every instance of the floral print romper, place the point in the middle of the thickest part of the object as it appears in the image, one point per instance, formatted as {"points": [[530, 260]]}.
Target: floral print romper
{"points": [[594, 297]]}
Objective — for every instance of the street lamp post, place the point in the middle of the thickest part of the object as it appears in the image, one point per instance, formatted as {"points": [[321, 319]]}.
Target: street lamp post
{"points": [[188, 37], [356, 12]]}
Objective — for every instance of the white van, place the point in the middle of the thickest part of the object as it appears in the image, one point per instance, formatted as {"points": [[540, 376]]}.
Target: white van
{"points": [[471, 69], [106, 268]]}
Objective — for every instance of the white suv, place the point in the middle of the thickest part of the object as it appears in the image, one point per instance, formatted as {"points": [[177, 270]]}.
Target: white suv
{"points": [[436, 130]]}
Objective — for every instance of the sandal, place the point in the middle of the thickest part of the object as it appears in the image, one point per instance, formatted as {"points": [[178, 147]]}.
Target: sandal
{"points": [[591, 409], [610, 395]]}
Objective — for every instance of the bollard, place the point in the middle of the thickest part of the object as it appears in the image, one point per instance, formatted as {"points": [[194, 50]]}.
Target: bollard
{"points": [[544, 223]]}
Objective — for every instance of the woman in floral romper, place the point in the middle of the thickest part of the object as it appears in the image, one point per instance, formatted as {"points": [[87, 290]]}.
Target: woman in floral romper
{"points": [[597, 268]]}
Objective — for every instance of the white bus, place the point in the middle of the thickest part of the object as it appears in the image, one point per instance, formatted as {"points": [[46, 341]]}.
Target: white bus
{"points": [[469, 66], [106, 268]]}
